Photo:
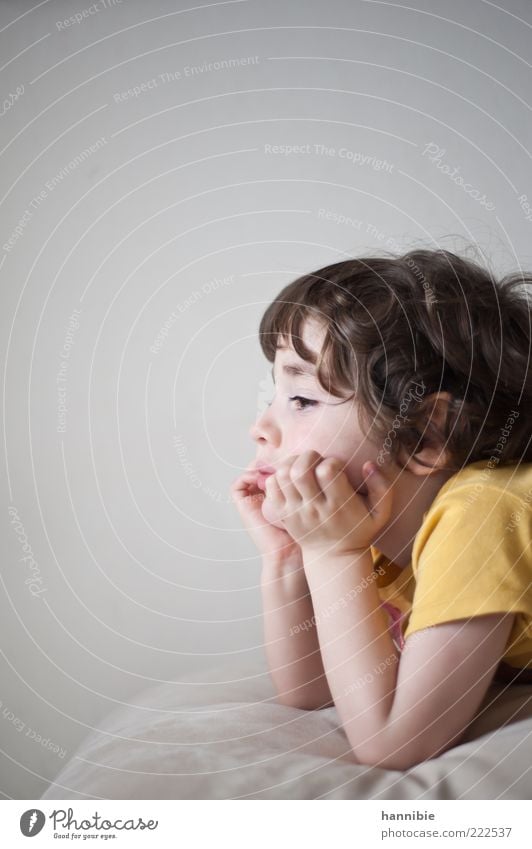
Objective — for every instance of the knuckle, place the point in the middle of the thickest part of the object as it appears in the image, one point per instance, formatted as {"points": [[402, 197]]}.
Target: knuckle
{"points": [[328, 467], [298, 470], [314, 514]]}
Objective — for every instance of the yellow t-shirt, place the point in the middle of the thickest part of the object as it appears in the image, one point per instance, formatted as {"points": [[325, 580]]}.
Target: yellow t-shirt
{"points": [[472, 555]]}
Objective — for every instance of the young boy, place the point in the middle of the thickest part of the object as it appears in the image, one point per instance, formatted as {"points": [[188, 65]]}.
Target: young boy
{"points": [[391, 494]]}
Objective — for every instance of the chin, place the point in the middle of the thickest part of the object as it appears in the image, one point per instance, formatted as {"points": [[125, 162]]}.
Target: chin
{"points": [[270, 514]]}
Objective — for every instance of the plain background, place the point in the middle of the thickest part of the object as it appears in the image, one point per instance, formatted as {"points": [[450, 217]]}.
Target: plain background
{"points": [[161, 214]]}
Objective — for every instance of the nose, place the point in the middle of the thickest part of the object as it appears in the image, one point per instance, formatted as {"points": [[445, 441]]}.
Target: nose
{"points": [[264, 429]]}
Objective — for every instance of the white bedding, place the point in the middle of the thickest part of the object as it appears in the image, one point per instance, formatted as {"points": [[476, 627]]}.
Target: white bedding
{"points": [[228, 739]]}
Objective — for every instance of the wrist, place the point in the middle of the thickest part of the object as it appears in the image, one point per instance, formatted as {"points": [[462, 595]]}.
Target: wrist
{"points": [[278, 565], [360, 558]]}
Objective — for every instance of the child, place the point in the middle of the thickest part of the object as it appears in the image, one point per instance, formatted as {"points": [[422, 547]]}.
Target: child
{"points": [[390, 497]]}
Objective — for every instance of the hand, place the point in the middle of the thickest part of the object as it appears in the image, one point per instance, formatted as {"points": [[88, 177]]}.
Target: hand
{"points": [[320, 509], [271, 541]]}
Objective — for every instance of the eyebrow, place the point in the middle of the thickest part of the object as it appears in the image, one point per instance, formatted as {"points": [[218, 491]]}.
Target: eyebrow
{"points": [[296, 370]]}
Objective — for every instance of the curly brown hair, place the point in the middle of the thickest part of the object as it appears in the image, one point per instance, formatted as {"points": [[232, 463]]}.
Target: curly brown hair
{"points": [[429, 319]]}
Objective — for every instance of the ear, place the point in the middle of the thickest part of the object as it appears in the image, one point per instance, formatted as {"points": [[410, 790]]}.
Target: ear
{"points": [[432, 451]]}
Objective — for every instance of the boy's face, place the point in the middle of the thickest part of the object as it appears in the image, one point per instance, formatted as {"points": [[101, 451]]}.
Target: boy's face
{"points": [[289, 427]]}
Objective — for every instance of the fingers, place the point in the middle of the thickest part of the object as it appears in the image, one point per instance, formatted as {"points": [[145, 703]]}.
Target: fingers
{"points": [[272, 488], [294, 479], [248, 477], [303, 476], [299, 477], [334, 482], [245, 486], [242, 482]]}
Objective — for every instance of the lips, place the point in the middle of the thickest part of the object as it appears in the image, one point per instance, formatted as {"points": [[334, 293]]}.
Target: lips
{"points": [[264, 472]]}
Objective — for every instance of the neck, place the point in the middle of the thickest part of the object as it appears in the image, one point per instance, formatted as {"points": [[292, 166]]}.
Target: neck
{"points": [[413, 495]]}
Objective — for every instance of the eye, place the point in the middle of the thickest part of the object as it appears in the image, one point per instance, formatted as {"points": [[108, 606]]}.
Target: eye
{"points": [[302, 402]]}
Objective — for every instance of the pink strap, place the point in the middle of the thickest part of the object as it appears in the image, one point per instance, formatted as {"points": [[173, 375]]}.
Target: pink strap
{"points": [[394, 624]]}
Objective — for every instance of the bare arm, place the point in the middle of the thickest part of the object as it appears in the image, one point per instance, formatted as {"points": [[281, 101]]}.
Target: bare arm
{"points": [[357, 649], [290, 637], [399, 710], [291, 641]]}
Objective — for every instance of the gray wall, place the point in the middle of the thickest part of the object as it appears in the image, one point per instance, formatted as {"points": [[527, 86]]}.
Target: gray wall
{"points": [[148, 216]]}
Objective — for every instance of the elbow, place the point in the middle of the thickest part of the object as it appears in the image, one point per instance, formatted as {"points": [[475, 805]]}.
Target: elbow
{"points": [[288, 700], [390, 754], [395, 756], [387, 760]]}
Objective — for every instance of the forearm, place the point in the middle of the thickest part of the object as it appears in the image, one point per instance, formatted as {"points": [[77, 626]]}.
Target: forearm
{"points": [[290, 637], [358, 654]]}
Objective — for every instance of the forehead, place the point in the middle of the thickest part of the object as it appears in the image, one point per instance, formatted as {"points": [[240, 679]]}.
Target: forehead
{"points": [[312, 336], [288, 360], [312, 333]]}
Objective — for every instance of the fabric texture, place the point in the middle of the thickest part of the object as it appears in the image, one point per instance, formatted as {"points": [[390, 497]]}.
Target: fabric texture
{"points": [[471, 556], [231, 740], [222, 735]]}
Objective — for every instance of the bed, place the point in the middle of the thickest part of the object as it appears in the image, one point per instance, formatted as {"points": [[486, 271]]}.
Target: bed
{"points": [[221, 735]]}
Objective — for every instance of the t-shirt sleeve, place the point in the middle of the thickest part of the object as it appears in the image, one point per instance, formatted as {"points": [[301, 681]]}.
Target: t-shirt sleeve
{"points": [[472, 557]]}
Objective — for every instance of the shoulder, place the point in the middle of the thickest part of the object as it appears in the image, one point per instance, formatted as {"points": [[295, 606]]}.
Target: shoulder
{"points": [[487, 479], [478, 504]]}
